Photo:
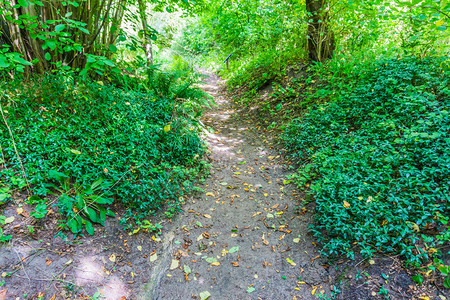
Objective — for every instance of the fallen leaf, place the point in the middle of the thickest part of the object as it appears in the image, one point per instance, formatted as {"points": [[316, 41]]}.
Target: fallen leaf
{"points": [[296, 240], [251, 290], [207, 216], [112, 257], [346, 204], [235, 264], [209, 194], [210, 260], [69, 262], [166, 128], [215, 264], [204, 295], [233, 249], [291, 262], [187, 269], [153, 257], [3, 294], [371, 261], [139, 248], [48, 261], [255, 214], [265, 242], [314, 290], [19, 210], [175, 263], [9, 220], [132, 275]]}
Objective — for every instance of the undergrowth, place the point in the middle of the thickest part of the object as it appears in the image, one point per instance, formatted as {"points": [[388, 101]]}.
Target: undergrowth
{"points": [[377, 153], [142, 142]]}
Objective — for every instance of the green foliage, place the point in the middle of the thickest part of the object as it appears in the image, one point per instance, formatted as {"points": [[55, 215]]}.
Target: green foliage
{"points": [[3, 238], [90, 130], [380, 149]]}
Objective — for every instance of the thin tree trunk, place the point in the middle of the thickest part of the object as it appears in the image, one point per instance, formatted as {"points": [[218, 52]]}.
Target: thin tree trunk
{"points": [[320, 37], [148, 46]]}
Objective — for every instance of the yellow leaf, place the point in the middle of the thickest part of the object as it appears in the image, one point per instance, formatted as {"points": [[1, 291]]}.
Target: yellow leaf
{"points": [[216, 264], [132, 275], [424, 298], [314, 290], [207, 216], [439, 23], [139, 248], [112, 257], [19, 210], [210, 194], [9, 220], [175, 263], [166, 128], [291, 262], [346, 204]]}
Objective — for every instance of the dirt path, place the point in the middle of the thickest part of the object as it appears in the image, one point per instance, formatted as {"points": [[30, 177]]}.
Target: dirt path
{"points": [[246, 238]]}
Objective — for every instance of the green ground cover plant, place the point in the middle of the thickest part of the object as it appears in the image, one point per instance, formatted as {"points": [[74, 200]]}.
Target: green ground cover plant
{"points": [[377, 153], [144, 143]]}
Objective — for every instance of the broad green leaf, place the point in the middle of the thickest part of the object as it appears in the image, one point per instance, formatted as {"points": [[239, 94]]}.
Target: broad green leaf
{"points": [[89, 227]]}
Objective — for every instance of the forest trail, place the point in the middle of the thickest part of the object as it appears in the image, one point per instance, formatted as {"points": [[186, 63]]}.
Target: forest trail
{"points": [[246, 237]]}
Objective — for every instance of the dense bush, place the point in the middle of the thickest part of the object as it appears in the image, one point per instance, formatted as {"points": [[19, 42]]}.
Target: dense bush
{"points": [[380, 159], [145, 143]]}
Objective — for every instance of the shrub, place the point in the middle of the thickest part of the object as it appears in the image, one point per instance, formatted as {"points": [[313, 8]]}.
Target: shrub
{"points": [[142, 142], [382, 160]]}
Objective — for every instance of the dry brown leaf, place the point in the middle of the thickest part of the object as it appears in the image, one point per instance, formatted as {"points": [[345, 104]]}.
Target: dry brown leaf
{"points": [[3, 294], [235, 264], [312, 260], [265, 242], [257, 213], [48, 261]]}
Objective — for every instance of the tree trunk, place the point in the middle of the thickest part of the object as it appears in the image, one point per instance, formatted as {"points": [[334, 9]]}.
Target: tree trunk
{"points": [[320, 37], [148, 46]]}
